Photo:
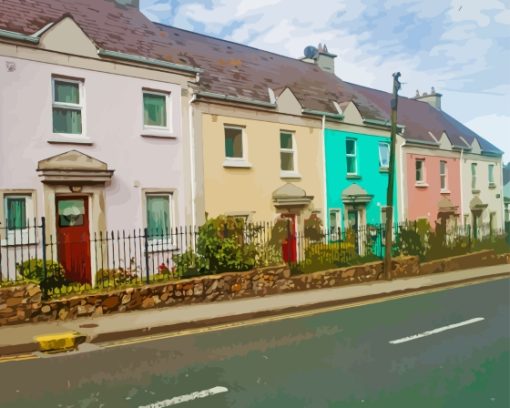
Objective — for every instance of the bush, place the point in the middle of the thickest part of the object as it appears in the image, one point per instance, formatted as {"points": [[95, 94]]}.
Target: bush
{"points": [[224, 244], [32, 269], [314, 228], [115, 277]]}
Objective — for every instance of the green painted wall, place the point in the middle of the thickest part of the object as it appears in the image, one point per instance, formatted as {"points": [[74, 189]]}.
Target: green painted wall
{"points": [[371, 178]]}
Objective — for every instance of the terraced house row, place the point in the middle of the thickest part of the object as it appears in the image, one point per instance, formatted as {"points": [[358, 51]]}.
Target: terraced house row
{"points": [[110, 121]]}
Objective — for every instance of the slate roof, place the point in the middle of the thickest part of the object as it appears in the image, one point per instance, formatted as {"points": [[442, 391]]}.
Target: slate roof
{"points": [[230, 68], [239, 70], [420, 118], [109, 25]]}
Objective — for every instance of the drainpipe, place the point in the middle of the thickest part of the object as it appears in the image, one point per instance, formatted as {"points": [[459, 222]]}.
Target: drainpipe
{"points": [[192, 161], [325, 193], [402, 184], [461, 188]]}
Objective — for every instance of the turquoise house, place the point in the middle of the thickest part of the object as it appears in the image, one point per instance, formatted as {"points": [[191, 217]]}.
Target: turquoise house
{"points": [[356, 179]]}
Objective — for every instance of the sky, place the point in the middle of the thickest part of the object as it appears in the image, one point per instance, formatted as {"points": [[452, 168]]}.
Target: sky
{"points": [[459, 47]]}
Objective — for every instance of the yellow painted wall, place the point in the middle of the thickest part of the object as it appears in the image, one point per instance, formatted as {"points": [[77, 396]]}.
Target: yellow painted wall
{"points": [[229, 190]]}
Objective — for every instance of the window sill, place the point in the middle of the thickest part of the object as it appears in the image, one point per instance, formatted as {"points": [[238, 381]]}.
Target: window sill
{"points": [[445, 192], [159, 246], [289, 175], [492, 186], [353, 177], [475, 191], [237, 163], [70, 139], [384, 169], [158, 134], [421, 185]]}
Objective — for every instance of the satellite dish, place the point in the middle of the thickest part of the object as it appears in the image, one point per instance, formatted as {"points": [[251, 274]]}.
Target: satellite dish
{"points": [[310, 51]]}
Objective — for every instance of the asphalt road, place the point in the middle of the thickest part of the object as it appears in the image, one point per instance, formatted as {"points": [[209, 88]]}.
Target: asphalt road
{"points": [[341, 358]]}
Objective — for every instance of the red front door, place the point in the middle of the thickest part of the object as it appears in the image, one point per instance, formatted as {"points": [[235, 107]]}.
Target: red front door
{"points": [[289, 248], [73, 237]]}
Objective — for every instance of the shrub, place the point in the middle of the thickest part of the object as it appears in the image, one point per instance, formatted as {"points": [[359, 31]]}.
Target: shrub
{"points": [[32, 269], [279, 232], [314, 228], [224, 244], [115, 277], [412, 240]]}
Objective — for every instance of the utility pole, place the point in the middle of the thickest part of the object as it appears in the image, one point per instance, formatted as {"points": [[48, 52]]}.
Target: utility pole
{"points": [[391, 176]]}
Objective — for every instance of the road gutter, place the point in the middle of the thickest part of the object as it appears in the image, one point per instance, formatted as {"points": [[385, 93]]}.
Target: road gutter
{"points": [[114, 339]]}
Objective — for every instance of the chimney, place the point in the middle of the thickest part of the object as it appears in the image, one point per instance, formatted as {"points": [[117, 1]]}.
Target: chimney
{"points": [[132, 3], [433, 99], [321, 57]]}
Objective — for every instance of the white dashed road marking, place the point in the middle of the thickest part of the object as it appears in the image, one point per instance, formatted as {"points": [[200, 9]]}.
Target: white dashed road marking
{"points": [[438, 330], [185, 398]]}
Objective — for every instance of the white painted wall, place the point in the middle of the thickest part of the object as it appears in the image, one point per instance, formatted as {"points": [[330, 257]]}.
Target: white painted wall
{"points": [[487, 195], [113, 119]]}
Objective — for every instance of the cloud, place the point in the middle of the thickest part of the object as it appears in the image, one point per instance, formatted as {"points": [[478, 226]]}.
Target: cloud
{"points": [[457, 46], [495, 129]]}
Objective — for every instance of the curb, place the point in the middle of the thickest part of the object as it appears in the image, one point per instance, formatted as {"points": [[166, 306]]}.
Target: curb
{"points": [[59, 342], [197, 324]]}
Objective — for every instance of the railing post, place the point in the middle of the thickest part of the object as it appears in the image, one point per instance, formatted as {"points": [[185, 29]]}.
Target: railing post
{"points": [[146, 243], [45, 272]]}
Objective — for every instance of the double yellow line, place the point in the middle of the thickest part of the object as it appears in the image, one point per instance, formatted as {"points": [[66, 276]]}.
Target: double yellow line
{"points": [[292, 315], [262, 320]]}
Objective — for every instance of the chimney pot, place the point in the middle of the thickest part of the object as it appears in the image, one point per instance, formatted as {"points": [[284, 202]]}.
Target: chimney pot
{"points": [[434, 99]]}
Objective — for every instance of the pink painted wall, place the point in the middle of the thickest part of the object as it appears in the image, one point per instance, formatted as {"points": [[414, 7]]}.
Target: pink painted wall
{"points": [[422, 201], [113, 119]]}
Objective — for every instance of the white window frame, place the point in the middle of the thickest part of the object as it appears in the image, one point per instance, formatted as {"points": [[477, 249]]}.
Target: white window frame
{"points": [[423, 181], [157, 244], [492, 182], [380, 156], [289, 173], [445, 175], [354, 155], [237, 161], [22, 236], [474, 176], [69, 137], [151, 130]]}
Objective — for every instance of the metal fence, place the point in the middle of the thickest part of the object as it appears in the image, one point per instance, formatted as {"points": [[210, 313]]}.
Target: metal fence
{"points": [[114, 258]]}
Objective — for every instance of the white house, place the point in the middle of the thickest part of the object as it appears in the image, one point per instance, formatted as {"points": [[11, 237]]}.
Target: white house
{"points": [[93, 130]]}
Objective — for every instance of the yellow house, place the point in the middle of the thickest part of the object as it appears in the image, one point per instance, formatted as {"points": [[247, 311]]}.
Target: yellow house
{"points": [[258, 164]]}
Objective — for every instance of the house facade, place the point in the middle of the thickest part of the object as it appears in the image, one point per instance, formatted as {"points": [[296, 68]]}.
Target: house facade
{"points": [[357, 163], [435, 153], [91, 139]]}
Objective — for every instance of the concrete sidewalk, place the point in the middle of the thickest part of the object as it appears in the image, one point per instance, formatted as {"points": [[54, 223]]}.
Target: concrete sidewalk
{"points": [[21, 338]]}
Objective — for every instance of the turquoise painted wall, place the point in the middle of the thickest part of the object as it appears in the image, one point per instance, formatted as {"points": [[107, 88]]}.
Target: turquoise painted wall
{"points": [[374, 181]]}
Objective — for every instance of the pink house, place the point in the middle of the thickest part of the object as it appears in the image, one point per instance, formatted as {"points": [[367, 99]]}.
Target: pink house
{"points": [[432, 185]]}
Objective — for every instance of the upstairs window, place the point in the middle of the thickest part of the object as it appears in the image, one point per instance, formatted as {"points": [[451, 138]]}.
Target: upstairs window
{"points": [[473, 175], [443, 175], [491, 175], [234, 142], [420, 171], [287, 152], [350, 152], [155, 110], [384, 155], [67, 106]]}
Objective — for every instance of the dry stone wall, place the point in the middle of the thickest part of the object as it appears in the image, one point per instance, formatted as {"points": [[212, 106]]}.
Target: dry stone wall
{"points": [[24, 304]]}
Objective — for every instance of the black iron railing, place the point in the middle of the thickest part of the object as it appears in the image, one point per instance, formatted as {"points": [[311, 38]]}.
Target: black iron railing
{"points": [[127, 257]]}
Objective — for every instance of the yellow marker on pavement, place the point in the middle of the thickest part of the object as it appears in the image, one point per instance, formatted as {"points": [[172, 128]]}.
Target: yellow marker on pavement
{"points": [[59, 341]]}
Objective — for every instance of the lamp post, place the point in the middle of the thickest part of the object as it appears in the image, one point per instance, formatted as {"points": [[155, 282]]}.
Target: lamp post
{"points": [[391, 176]]}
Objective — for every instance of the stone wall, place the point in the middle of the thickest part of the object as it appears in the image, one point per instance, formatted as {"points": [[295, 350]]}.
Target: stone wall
{"points": [[23, 303]]}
